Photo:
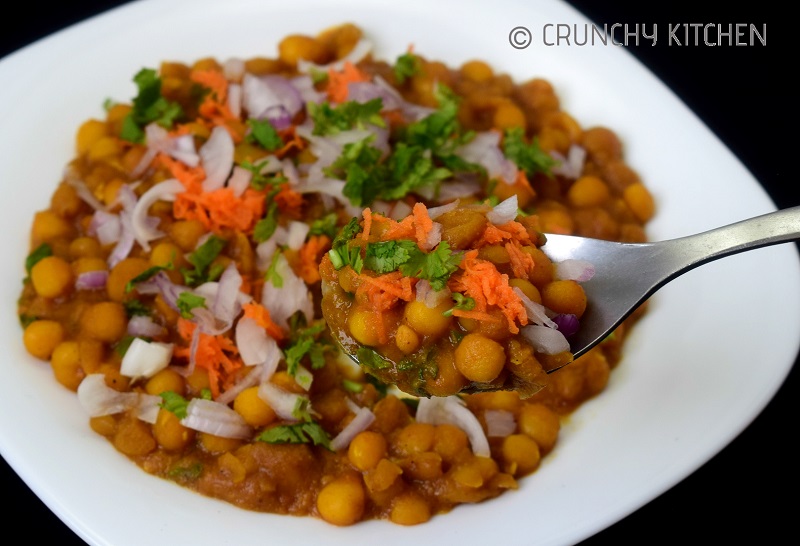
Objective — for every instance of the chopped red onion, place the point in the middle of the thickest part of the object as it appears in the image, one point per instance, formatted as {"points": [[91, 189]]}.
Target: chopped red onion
{"points": [[545, 340], [453, 411], [98, 399], [297, 234], [303, 377], [567, 323], [145, 359], [537, 313], [361, 422], [107, 227], [572, 165], [239, 180], [233, 69], [71, 178], [140, 326], [504, 212], [435, 212], [499, 423], [485, 151], [256, 347], [430, 297], [282, 402], [92, 280], [293, 296], [144, 230], [217, 419], [261, 93], [575, 270], [217, 158]]}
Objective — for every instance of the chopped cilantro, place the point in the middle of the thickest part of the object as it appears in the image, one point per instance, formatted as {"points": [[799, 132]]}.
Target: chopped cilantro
{"points": [[272, 274], [25, 320], [329, 120], [174, 403], [406, 66], [352, 386], [325, 225], [371, 359], [42, 251], [435, 266], [123, 344], [461, 302], [266, 226], [202, 259], [135, 308], [300, 433], [148, 106], [259, 180], [528, 157], [145, 275], [341, 254], [186, 473], [188, 301], [305, 341], [262, 132]]}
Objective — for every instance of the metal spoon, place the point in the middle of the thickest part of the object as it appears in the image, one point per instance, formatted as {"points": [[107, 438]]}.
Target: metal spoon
{"points": [[627, 274]]}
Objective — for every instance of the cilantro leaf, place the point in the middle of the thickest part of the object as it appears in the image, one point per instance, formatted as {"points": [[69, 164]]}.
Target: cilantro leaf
{"points": [[186, 473], [259, 180], [461, 302], [329, 120], [42, 251], [406, 66], [387, 256], [372, 359], [325, 225], [262, 132], [135, 308], [175, 403], [300, 433], [435, 266], [528, 157], [305, 341], [148, 106], [145, 275], [188, 301], [266, 226], [202, 259], [341, 254]]}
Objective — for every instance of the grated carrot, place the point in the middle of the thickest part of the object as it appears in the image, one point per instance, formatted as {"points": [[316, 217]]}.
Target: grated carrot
{"points": [[367, 214], [337, 81], [510, 231], [261, 315], [214, 106], [289, 201], [217, 355], [310, 255], [423, 225], [191, 177], [221, 208], [291, 142], [481, 281], [384, 291], [522, 263]]}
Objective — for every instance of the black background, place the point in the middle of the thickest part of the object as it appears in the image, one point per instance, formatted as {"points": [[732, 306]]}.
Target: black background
{"points": [[743, 94]]}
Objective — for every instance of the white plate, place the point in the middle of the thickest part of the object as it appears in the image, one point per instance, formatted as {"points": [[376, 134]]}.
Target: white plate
{"points": [[657, 422]]}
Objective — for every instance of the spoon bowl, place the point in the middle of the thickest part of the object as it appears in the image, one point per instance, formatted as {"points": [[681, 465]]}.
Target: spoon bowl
{"points": [[626, 274]]}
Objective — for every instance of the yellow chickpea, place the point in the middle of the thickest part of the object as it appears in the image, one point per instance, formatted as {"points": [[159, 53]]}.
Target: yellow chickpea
{"points": [[410, 509], [415, 438], [528, 288], [66, 364], [41, 337], [104, 321], [170, 433], [449, 442], [428, 321], [217, 444], [508, 115], [186, 233], [166, 380], [521, 454], [564, 296], [477, 71], [134, 437], [366, 450], [540, 423], [85, 247], [121, 274], [406, 339], [588, 191], [341, 502], [479, 358], [88, 133], [52, 277], [361, 323], [640, 201], [85, 265], [253, 409], [296, 47], [47, 226], [104, 148]]}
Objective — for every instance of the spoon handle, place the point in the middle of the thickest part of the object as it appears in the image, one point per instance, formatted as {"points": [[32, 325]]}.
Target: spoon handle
{"points": [[769, 229]]}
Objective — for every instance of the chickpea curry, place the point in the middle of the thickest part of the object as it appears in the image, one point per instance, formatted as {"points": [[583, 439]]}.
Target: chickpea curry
{"points": [[220, 242]]}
